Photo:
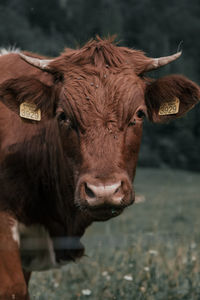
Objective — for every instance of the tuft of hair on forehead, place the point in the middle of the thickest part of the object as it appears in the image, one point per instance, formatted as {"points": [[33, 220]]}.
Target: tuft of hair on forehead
{"points": [[105, 52]]}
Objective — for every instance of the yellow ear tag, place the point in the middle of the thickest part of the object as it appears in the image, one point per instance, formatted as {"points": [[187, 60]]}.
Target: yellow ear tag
{"points": [[170, 107], [30, 111]]}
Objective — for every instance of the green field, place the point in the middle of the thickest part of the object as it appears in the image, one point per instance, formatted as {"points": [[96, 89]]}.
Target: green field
{"points": [[150, 252]]}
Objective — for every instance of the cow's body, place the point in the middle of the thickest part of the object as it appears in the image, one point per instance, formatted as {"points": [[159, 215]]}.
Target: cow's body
{"points": [[77, 164]]}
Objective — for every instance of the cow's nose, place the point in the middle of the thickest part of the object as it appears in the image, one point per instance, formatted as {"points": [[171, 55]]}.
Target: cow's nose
{"points": [[102, 193]]}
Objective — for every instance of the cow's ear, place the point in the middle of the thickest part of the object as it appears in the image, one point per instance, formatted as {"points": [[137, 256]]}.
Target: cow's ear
{"points": [[170, 97], [13, 92]]}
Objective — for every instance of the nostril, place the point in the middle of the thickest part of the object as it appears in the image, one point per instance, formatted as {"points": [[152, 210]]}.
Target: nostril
{"points": [[118, 189], [89, 192]]}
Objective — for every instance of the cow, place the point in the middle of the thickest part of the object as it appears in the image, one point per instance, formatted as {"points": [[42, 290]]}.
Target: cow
{"points": [[70, 133]]}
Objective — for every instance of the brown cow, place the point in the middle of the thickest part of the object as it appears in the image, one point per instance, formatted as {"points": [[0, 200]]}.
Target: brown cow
{"points": [[76, 165]]}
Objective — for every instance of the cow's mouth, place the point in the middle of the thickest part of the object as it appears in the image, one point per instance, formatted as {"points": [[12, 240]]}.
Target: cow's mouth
{"points": [[103, 213]]}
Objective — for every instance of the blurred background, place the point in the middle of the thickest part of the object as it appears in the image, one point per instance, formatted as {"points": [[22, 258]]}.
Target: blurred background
{"points": [[155, 26]]}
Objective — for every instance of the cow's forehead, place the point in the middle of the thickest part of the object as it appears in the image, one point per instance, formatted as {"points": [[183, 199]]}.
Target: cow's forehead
{"points": [[101, 80], [110, 93]]}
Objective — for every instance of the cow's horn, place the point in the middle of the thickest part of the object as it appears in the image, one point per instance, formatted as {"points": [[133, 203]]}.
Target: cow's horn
{"points": [[42, 64], [156, 63]]}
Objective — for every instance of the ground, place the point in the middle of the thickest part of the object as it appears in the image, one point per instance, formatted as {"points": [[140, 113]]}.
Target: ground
{"points": [[150, 252]]}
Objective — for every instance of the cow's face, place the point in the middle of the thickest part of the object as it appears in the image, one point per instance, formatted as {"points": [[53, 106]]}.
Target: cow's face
{"points": [[97, 97], [101, 112], [101, 119]]}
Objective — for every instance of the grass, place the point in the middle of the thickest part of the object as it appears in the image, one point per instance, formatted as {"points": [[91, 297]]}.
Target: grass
{"points": [[150, 252]]}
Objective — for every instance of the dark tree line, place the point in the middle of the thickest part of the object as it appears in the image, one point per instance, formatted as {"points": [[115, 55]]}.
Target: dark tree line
{"points": [[155, 26]]}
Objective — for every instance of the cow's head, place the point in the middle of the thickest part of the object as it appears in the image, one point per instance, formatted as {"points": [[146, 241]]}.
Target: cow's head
{"points": [[100, 98]]}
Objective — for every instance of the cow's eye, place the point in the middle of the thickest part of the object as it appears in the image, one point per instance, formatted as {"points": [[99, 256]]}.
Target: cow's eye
{"points": [[141, 114], [64, 120], [62, 117]]}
